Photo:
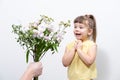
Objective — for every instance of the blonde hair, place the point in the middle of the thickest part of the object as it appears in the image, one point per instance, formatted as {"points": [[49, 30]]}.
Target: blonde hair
{"points": [[90, 21]]}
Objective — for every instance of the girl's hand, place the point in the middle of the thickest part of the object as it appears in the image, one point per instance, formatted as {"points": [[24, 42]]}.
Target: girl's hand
{"points": [[78, 44], [75, 45]]}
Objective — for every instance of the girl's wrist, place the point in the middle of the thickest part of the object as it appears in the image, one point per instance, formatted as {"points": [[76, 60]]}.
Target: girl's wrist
{"points": [[73, 49], [79, 50]]}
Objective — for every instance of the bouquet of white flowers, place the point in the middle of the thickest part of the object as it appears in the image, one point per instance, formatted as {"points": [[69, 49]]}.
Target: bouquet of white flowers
{"points": [[39, 37]]}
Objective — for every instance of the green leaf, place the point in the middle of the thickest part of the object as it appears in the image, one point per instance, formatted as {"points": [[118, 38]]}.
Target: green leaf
{"points": [[55, 47], [27, 56]]}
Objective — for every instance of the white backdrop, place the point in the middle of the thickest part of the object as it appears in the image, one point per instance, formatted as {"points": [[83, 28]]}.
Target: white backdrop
{"points": [[12, 56]]}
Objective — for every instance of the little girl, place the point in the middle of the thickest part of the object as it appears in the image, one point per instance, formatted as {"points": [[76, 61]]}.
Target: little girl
{"points": [[80, 54]]}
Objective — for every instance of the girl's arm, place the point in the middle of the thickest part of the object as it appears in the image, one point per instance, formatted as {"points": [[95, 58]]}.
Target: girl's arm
{"points": [[68, 56], [88, 58]]}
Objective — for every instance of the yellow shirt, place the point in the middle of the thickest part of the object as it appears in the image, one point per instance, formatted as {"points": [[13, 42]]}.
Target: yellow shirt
{"points": [[77, 70]]}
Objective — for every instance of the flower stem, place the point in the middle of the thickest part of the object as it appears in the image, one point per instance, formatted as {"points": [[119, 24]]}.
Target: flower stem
{"points": [[42, 56], [35, 78], [35, 60]]}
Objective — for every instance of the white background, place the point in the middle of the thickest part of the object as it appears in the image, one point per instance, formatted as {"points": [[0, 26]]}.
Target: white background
{"points": [[12, 56]]}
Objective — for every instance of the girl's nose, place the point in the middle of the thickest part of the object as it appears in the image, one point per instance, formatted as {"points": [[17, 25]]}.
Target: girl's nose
{"points": [[76, 29]]}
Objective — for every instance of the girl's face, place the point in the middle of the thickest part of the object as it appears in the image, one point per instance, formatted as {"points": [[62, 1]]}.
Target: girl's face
{"points": [[81, 31]]}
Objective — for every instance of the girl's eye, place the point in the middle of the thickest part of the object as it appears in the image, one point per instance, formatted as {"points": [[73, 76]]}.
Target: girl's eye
{"points": [[81, 27], [75, 27], [78, 27]]}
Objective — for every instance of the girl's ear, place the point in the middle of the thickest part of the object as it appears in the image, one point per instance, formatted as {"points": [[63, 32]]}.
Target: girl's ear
{"points": [[90, 31]]}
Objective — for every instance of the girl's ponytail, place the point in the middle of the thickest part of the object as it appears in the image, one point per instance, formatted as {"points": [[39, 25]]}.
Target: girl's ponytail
{"points": [[94, 28], [92, 24]]}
